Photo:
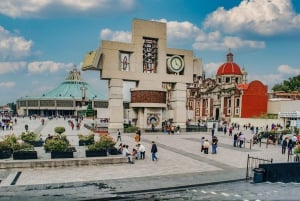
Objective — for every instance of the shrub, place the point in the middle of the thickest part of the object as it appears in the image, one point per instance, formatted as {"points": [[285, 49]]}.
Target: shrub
{"points": [[22, 147], [86, 139], [4, 146], [297, 150], [10, 142], [11, 139], [30, 137], [105, 142], [59, 130], [89, 137], [57, 143]]}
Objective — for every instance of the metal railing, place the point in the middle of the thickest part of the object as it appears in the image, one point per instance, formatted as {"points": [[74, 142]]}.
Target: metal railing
{"points": [[252, 163]]}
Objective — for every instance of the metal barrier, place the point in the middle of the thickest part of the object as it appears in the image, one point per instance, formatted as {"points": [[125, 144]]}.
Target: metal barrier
{"points": [[295, 159], [253, 163]]}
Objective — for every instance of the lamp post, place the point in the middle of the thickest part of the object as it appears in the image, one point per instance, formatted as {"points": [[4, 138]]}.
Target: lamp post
{"points": [[128, 117]]}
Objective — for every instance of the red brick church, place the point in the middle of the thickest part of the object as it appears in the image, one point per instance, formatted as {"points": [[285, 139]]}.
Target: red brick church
{"points": [[227, 95]]}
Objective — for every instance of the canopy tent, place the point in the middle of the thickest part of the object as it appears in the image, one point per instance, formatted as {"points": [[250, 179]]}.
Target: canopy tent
{"points": [[295, 114]]}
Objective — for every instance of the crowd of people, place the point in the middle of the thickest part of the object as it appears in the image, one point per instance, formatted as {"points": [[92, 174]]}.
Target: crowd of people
{"points": [[138, 152]]}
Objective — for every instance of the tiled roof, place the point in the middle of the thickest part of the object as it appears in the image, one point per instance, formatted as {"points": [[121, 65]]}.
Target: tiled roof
{"points": [[229, 68]]}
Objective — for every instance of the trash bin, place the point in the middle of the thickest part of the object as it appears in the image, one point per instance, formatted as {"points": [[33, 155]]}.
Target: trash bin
{"points": [[259, 175]]}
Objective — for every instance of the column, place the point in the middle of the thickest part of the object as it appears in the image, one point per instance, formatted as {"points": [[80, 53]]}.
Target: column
{"points": [[178, 102], [115, 104]]}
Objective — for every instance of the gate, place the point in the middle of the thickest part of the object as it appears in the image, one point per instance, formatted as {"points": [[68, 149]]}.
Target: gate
{"points": [[252, 163]]}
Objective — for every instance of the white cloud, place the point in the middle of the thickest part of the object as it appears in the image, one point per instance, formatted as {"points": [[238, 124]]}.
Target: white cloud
{"points": [[216, 41], [7, 84], [285, 69], [120, 36], [268, 79], [184, 31], [284, 73], [45, 8], [211, 69], [266, 17], [12, 47], [180, 30], [11, 67], [48, 66]]}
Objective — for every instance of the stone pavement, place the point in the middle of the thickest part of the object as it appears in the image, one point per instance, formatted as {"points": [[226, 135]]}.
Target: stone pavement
{"points": [[180, 163]]}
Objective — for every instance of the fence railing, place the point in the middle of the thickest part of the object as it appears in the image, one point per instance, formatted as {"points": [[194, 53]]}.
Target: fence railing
{"points": [[296, 158], [252, 163]]}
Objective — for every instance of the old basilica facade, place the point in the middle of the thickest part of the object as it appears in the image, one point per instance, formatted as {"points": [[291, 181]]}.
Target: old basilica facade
{"points": [[225, 96]]}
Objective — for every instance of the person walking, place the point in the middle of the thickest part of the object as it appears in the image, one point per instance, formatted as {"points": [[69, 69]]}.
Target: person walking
{"points": [[119, 136], [214, 145], [206, 146], [154, 151], [138, 134], [290, 147], [284, 145], [241, 139], [141, 151], [202, 144], [235, 139]]}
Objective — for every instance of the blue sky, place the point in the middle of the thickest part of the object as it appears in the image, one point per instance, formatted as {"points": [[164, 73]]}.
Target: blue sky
{"points": [[41, 41]]}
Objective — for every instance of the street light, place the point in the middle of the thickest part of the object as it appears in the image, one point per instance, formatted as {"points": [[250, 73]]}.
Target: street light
{"points": [[128, 117]]}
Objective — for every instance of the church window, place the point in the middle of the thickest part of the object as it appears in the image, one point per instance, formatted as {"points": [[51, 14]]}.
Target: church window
{"points": [[237, 102], [227, 80], [236, 80], [219, 80]]}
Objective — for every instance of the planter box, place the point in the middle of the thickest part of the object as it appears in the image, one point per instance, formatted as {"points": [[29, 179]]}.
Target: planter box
{"points": [[113, 151], [25, 155], [85, 142], [5, 154], [36, 143], [99, 153], [62, 154]]}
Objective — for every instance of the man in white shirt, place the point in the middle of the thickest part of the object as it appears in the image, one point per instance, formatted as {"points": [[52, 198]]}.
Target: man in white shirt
{"points": [[141, 151], [127, 154]]}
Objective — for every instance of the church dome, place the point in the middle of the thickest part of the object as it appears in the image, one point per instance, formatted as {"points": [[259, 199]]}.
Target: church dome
{"points": [[229, 68]]}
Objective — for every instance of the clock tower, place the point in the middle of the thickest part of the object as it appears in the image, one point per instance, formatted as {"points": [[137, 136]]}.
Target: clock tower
{"points": [[159, 76]]}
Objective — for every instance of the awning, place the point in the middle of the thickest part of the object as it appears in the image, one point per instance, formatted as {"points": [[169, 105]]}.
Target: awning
{"points": [[295, 114]]}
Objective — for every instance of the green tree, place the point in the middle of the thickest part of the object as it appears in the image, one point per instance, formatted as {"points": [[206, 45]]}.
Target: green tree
{"points": [[292, 84], [13, 107]]}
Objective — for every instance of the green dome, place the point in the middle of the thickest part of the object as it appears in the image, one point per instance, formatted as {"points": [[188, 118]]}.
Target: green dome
{"points": [[74, 87]]}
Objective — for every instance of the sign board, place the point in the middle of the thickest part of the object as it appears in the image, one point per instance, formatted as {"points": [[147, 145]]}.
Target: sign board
{"points": [[298, 124], [211, 124]]}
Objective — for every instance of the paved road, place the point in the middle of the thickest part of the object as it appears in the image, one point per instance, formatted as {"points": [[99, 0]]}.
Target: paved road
{"points": [[180, 164]]}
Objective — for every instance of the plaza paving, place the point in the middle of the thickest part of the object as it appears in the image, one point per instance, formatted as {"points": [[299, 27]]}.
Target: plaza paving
{"points": [[180, 163]]}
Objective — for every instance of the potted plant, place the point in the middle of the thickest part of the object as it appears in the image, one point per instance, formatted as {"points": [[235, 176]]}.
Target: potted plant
{"points": [[23, 150], [59, 147], [85, 140], [5, 150], [6, 146], [32, 138], [101, 147]]}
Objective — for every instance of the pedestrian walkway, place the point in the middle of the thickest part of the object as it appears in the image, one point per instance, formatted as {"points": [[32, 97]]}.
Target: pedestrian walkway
{"points": [[180, 162]]}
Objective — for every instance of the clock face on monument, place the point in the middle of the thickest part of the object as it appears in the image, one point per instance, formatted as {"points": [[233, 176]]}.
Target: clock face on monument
{"points": [[175, 64]]}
